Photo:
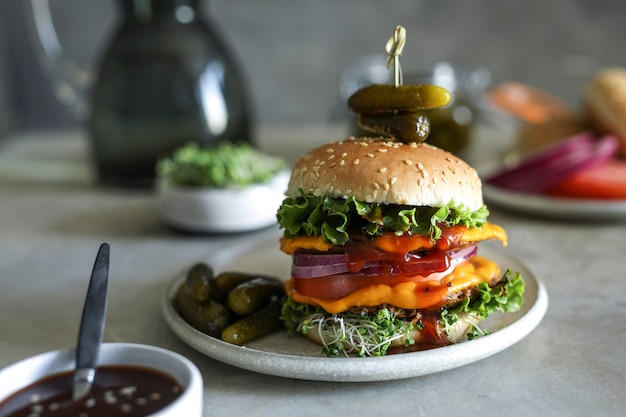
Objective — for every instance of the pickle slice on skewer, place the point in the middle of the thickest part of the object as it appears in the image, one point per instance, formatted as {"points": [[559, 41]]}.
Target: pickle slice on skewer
{"points": [[387, 98]]}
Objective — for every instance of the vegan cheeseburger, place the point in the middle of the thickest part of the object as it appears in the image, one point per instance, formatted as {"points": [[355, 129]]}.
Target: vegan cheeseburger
{"points": [[383, 238]]}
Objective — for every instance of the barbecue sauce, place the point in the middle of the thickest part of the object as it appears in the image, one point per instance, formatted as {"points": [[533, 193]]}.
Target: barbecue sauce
{"points": [[118, 390], [406, 254], [407, 263], [431, 336], [450, 238]]}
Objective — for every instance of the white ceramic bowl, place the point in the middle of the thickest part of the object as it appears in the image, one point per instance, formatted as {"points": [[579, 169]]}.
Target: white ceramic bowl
{"points": [[223, 210], [189, 404]]}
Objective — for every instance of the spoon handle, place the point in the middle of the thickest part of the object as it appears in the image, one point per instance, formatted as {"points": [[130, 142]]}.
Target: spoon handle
{"points": [[92, 325]]}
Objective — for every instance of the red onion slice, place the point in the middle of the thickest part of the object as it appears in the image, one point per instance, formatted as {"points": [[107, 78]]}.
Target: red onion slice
{"points": [[317, 259], [461, 255], [317, 270], [539, 172]]}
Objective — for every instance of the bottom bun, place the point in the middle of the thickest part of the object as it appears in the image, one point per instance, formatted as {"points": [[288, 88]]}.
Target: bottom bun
{"points": [[353, 342]]}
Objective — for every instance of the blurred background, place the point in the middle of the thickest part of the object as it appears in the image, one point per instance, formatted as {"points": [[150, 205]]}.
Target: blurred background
{"points": [[292, 53]]}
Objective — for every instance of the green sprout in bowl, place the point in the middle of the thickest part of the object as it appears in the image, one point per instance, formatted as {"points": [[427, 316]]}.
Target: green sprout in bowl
{"points": [[225, 165]]}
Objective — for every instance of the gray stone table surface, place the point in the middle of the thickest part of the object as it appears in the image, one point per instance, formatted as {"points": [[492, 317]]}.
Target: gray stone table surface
{"points": [[53, 217]]}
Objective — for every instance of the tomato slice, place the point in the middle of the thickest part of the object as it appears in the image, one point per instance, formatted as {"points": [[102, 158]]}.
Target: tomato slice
{"points": [[340, 285], [605, 181]]}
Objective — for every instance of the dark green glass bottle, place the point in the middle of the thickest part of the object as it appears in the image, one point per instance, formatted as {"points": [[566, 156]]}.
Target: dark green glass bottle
{"points": [[166, 79]]}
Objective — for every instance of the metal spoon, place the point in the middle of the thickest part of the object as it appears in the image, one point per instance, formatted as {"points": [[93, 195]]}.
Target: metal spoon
{"points": [[91, 326]]}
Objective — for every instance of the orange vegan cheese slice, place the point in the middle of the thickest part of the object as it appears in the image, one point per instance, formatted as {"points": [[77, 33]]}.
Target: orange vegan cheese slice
{"points": [[290, 245], [474, 234], [408, 295], [489, 231]]}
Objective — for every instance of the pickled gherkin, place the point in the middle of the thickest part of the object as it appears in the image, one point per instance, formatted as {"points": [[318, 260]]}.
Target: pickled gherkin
{"points": [[224, 282], [399, 111], [255, 325], [387, 98], [209, 317], [248, 297], [406, 126], [198, 282], [241, 306]]}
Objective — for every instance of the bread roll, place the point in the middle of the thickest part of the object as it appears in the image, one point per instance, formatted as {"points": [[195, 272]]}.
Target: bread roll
{"points": [[387, 172], [604, 99]]}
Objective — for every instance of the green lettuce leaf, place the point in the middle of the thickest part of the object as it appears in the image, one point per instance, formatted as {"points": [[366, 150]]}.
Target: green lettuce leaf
{"points": [[506, 296], [333, 218]]}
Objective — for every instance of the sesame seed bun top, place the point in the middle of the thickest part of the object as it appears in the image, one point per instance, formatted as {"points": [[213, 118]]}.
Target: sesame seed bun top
{"points": [[377, 170], [604, 99]]}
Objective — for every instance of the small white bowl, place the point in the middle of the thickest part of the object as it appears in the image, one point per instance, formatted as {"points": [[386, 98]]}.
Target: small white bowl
{"points": [[30, 370], [231, 210]]}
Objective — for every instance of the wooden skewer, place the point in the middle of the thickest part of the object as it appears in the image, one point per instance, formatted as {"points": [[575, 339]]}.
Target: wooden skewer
{"points": [[394, 48]]}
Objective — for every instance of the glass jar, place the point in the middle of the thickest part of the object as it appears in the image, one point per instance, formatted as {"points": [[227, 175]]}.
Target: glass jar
{"points": [[166, 79]]}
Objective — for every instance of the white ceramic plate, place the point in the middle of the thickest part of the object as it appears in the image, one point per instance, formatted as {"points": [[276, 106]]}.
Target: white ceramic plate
{"points": [[562, 208], [291, 356]]}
